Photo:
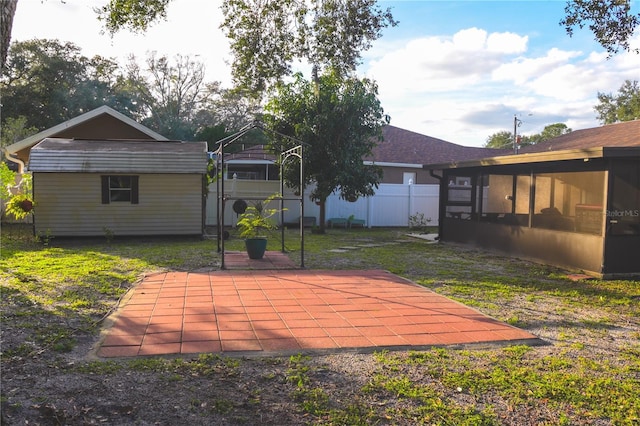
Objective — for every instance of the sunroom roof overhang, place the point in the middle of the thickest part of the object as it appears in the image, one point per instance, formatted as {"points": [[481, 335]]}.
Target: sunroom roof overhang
{"points": [[540, 157]]}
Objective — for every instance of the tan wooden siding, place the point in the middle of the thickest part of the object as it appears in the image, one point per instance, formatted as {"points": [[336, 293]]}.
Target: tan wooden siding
{"points": [[70, 204]]}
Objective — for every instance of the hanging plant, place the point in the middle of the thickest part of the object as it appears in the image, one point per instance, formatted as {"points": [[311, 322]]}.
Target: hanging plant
{"points": [[19, 206]]}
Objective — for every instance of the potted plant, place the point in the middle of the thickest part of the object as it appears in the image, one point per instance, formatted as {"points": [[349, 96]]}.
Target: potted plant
{"points": [[253, 224], [19, 206]]}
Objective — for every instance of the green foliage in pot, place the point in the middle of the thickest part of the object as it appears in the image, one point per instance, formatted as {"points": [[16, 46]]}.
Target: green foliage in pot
{"points": [[257, 219]]}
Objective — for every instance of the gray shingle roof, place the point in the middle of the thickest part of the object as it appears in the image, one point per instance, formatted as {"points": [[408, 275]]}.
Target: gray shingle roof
{"points": [[619, 134], [118, 156], [405, 146]]}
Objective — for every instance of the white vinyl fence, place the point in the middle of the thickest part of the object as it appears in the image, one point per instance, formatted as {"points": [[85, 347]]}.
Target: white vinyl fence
{"points": [[391, 205]]}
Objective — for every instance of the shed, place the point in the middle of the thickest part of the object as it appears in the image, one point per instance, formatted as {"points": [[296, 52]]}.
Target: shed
{"points": [[92, 187], [575, 208]]}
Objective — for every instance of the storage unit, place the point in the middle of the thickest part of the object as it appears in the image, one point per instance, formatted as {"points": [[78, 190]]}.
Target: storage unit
{"points": [[118, 187]]}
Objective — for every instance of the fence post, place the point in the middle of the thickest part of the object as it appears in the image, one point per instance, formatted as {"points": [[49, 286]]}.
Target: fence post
{"points": [[410, 201]]}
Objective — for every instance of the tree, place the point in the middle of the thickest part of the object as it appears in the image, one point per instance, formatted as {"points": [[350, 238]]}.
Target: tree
{"points": [[504, 139], [172, 94], [625, 106], [341, 121], [554, 130], [266, 37], [49, 82], [7, 12], [225, 115], [609, 20], [134, 15], [14, 130]]}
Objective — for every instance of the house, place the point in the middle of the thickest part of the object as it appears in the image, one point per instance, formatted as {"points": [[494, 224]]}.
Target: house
{"points": [[85, 187], [102, 173], [572, 201], [405, 189]]}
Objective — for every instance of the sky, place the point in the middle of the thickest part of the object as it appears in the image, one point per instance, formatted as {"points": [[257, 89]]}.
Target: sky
{"points": [[455, 70]]}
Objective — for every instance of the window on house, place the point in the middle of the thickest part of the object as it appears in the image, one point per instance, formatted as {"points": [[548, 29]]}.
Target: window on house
{"points": [[408, 178], [119, 188]]}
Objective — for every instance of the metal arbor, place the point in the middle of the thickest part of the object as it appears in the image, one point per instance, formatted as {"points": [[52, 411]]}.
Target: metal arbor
{"points": [[284, 156]]}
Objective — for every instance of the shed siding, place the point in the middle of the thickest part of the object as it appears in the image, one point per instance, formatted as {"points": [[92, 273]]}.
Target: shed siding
{"points": [[70, 204]]}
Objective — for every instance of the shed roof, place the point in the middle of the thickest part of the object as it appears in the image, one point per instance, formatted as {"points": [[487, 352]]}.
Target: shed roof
{"points": [[83, 118], [118, 156]]}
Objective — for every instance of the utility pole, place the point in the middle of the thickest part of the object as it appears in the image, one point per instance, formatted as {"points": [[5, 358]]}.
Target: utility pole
{"points": [[516, 123]]}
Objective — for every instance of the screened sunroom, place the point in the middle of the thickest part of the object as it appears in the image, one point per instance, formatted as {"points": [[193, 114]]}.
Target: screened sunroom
{"points": [[578, 209]]}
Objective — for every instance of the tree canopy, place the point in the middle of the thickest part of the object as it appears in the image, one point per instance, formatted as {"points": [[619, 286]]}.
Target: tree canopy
{"points": [[623, 106], [49, 82], [504, 138], [172, 93], [267, 37], [134, 15], [610, 21], [341, 121]]}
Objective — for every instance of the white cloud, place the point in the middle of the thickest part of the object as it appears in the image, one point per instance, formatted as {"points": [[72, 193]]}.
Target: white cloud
{"points": [[524, 69], [467, 86], [508, 43], [441, 64]]}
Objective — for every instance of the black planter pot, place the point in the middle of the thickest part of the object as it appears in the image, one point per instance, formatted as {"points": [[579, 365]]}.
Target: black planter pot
{"points": [[256, 247]]}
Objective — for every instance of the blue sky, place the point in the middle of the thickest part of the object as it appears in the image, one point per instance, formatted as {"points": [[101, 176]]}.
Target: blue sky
{"points": [[455, 70]]}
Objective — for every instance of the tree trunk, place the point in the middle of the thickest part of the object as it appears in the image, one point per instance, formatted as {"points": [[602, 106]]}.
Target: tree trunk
{"points": [[7, 12], [323, 216]]}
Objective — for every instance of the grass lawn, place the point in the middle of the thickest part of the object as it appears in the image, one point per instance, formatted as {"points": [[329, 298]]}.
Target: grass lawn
{"points": [[56, 293]]}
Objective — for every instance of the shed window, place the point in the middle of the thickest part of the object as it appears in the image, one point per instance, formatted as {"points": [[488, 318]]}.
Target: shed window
{"points": [[119, 188]]}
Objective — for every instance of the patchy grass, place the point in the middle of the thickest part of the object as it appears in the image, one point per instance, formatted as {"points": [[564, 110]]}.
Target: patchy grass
{"points": [[56, 292]]}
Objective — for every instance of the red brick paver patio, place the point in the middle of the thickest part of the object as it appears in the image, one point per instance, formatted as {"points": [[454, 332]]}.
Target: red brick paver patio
{"points": [[292, 311]]}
